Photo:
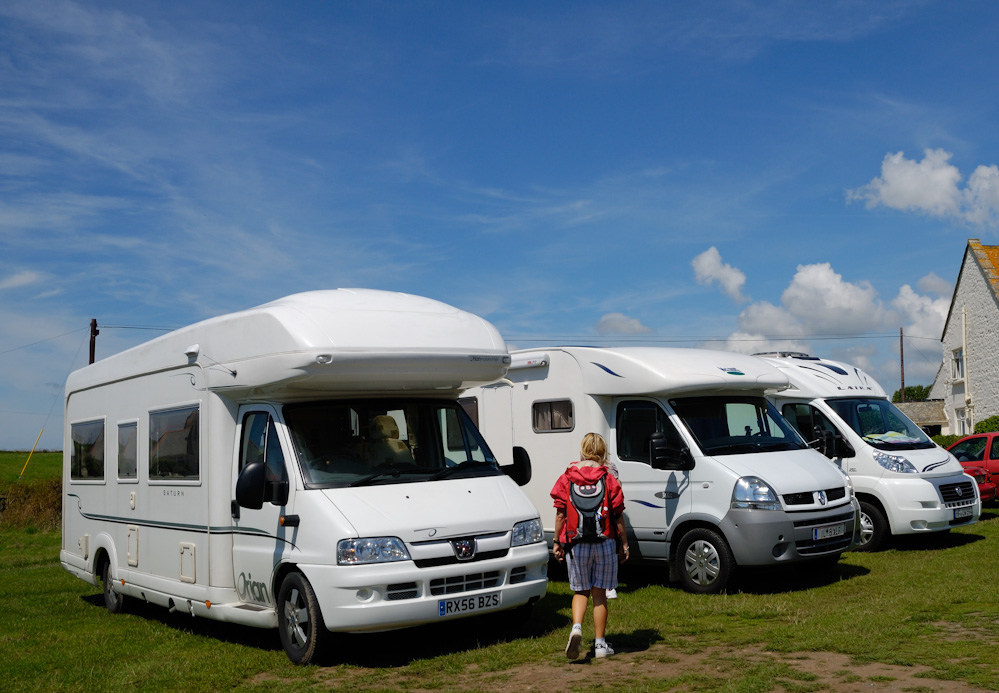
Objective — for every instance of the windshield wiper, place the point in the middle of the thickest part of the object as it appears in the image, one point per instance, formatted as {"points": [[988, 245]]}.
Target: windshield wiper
{"points": [[464, 466], [393, 473]]}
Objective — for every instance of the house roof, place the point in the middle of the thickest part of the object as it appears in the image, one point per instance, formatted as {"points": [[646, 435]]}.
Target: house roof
{"points": [[924, 413], [987, 259]]}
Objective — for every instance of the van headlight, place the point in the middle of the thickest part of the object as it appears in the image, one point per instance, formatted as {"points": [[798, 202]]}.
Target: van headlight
{"points": [[370, 550], [894, 463], [527, 532], [752, 493]]}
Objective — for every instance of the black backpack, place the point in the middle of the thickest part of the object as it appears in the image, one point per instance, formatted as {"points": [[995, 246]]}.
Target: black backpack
{"points": [[588, 502]]}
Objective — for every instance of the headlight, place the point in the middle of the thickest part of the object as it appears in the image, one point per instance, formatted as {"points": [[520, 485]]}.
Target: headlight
{"points": [[527, 532], [370, 550], [894, 463], [754, 494]]}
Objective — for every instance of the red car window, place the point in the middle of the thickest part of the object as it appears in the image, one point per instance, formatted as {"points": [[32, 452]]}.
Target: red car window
{"points": [[994, 453], [971, 450]]}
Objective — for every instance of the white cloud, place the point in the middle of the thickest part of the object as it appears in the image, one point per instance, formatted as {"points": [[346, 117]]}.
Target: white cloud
{"points": [[920, 316], [618, 323], [825, 304], [932, 186], [20, 279], [709, 268], [932, 284]]}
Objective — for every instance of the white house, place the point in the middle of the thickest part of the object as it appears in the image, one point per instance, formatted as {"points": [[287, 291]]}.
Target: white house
{"points": [[968, 381]]}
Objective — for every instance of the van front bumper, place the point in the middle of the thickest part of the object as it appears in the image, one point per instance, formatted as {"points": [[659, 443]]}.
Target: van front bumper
{"points": [[767, 537], [929, 505], [388, 596]]}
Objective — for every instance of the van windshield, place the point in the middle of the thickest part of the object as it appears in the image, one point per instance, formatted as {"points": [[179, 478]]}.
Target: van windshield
{"points": [[385, 441], [733, 425], [881, 424]]}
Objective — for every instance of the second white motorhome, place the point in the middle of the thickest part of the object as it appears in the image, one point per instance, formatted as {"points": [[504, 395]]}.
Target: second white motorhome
{"points": [[713, 477], [301, 465], [906, 483]]}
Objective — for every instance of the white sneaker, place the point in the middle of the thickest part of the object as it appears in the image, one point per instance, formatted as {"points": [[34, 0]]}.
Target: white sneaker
{"points": [[612, 594], [601, 651], [575, 637]]}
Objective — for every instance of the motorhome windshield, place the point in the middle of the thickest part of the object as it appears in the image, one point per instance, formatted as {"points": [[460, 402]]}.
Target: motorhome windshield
{"points": [[384, 441], [733, 425], [881, 424]]}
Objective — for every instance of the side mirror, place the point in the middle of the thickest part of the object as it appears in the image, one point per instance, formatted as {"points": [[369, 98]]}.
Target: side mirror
{"points": [[250, 486], [520, 470], [664, 456]]}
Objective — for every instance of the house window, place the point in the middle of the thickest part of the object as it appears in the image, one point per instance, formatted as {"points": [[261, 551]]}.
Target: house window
{"points": [[553, 416], [957, 365], [961, 422]]}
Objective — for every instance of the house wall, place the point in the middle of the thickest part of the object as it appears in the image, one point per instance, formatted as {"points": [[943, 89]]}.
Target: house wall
{"points": [[976, 297]]}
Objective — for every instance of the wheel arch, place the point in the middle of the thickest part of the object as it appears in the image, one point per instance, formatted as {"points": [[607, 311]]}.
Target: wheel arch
{"points": [[678, 531]]}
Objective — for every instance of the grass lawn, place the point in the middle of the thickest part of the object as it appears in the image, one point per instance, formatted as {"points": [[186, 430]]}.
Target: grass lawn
{"points": [[923, 603]]}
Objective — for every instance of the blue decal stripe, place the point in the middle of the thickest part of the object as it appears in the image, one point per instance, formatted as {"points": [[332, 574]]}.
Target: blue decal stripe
{"points": [[606, 369], [649, 505]]}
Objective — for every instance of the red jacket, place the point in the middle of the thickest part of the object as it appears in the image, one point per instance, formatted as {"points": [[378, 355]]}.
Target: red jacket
{"points": [[586, 474]]}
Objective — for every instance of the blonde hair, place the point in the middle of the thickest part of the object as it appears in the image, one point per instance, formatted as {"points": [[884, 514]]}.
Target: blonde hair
{"points": [[593, 448]]}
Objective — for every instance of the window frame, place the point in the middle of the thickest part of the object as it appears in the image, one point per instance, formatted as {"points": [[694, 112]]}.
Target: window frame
{"points": [[76, 478], [134, 479], [541, 402], [157, 480]]}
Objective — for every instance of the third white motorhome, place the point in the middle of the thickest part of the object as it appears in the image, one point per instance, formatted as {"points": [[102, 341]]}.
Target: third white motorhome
{"points": [[906, 483], [301, 465], [713, 477]]}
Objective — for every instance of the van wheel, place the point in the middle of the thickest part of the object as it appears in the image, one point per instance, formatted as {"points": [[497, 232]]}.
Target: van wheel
{"points": [[706, 562], [114, 602], [300, 622], [873, 528]]}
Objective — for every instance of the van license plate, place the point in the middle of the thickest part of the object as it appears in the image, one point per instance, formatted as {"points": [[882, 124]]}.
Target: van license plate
{"points": [[464, 605], [828, 532], [962, 512]]}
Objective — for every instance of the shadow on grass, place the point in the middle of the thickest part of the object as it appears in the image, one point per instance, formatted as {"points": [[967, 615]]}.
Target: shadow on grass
{"points": [[933, 542]]}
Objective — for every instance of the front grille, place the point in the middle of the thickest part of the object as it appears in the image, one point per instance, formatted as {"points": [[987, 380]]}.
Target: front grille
{"points": [[401, 590], [518, 575], [451, 560], [808, 497], [956, 493], [464, 583]]}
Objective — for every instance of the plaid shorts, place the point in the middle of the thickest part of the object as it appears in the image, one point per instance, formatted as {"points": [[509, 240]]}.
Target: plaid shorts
{"points": [[592, 565]]}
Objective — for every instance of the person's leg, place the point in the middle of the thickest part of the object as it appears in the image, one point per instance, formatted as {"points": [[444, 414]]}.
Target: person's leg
{"points": [[580, 600], [599, 611]]}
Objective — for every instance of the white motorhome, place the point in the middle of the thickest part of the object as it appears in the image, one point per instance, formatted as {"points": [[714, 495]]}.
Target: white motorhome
{"points": [[906, 483], [301, 465], [713, 477]]}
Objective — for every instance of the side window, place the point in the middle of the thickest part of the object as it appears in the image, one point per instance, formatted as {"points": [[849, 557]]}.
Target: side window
{"points": [[971, 450], [637, 420], [87, 458], [260, 443], [174, 452], [471, 407], [128, 447], [807, 420], [552, 416], [994, 453]]}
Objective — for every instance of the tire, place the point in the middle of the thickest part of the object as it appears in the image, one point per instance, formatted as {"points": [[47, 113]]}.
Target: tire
{"points": [[300, 622], [705, 561], [114, 602], [874, 530]]}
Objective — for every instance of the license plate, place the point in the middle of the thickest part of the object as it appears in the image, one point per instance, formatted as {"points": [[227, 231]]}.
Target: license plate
{"points": [[464, 605], [828, 532], [962, 512]]}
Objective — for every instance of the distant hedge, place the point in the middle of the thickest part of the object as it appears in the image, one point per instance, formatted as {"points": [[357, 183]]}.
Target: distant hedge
{"points": [[987, 425], [944, 441]]}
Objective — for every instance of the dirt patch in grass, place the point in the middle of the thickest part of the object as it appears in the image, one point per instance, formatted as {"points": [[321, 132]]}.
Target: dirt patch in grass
{"points": [[660, 668]]}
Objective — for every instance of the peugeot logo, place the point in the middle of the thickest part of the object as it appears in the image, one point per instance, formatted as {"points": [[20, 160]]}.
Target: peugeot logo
{"points": [[822, 497], [464, 549]]}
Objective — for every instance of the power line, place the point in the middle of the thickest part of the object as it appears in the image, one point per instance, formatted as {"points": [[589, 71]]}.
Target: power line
{"points": [[41, 341]]}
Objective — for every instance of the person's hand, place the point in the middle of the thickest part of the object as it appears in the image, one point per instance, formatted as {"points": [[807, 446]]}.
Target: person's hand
{"points": [[623, 553], [559, 553]]}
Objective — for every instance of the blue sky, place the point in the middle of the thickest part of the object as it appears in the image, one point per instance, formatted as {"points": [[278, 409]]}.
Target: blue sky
{"points": [[731, 174]]}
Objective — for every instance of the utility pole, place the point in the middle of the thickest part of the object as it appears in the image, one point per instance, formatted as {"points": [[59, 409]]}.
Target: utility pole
{"points": [[901, 360], [93, 337]]}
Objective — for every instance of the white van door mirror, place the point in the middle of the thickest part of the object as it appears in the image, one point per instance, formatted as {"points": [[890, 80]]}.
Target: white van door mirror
{"points": [[250, 486], [520, 470], [664, 456]]}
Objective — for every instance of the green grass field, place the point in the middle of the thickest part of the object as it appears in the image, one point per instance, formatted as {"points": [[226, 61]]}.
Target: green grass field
{"points": [[925, 602]]}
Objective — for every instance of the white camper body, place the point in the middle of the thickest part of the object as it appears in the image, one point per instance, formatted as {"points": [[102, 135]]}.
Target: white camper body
{"points": [[302, 465], [735, 484], [906, 483]]}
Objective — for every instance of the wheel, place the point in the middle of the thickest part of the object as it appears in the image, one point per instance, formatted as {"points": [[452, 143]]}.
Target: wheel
{"points": [[114, 602], [706, 563], [873, 528], [300, 622]]}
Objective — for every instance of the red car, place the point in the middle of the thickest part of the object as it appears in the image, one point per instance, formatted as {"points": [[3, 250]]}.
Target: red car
{"points": [[979, 455]]}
